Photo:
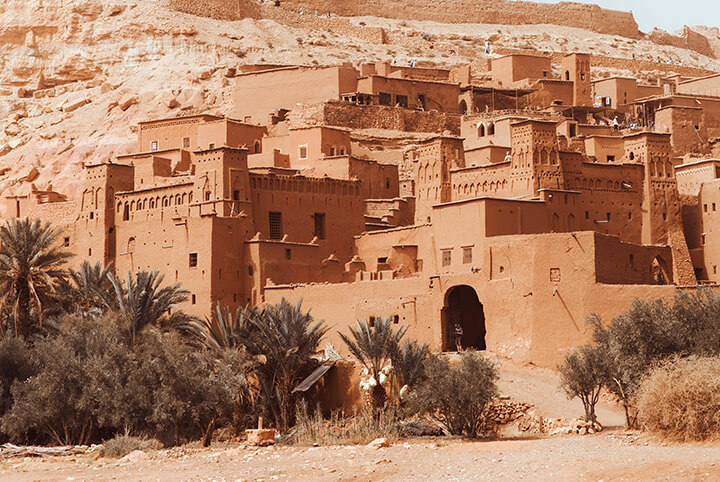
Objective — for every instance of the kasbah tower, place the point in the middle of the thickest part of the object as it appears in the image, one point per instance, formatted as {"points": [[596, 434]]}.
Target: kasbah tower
{"points": [[505, 197]]}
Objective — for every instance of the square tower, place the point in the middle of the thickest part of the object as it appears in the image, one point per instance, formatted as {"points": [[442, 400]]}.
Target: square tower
{"points": [[576, 67]]}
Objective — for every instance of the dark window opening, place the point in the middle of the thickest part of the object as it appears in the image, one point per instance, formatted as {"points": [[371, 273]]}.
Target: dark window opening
{"points": [[236, 195], [288, 253], [66, 242], [275, 221], [382, 260], [186, 143], [208, 194], [385, 98], [401, 101], [89, 251], [250, 270], [396, 319], [319, 225], [387, 183], [92, 215], [126, 213], [467, 255], [193, 299], [610, 158], [371, 321], [193, 260], [446, 257], [587, 215]]}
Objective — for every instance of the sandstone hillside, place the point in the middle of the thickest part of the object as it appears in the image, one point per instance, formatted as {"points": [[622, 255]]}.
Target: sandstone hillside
{"points": [[77, 75]]}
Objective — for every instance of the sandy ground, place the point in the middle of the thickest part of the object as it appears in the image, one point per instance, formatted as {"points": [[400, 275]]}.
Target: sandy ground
{"points": [[608, 456]]}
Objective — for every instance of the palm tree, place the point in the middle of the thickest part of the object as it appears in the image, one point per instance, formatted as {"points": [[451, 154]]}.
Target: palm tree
{"points": [[91, 290], [375, 347], [287, 338], [31, 267], [408, 364], [225, 330], [142, 302]]}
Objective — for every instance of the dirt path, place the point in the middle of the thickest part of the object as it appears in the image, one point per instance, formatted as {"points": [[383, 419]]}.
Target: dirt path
{"points": [[608, 456]]}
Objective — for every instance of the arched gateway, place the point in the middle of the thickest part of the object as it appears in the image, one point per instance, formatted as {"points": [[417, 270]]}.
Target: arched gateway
{"points": [[462, 306]]}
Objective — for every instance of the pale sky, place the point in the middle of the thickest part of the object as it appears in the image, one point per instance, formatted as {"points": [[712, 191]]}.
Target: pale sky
{"points": [[668, 15]]}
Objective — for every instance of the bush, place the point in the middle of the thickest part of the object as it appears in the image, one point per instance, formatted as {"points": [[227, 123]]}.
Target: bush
{"points": [[122, 445], [93, 383], [680, 399], [457, 395], [651, 332]]}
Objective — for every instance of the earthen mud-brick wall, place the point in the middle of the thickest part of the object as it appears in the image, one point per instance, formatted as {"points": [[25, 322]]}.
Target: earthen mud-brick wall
{"points": [[590, 17], [219, 9]]}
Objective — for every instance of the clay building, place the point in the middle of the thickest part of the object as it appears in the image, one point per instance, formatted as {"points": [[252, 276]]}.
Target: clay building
{"points": [[383, 190]]}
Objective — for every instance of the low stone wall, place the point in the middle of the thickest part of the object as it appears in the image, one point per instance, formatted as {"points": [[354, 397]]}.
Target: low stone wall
{"points": [[344, 114]]}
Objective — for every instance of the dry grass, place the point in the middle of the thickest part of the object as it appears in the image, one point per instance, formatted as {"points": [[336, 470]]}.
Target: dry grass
{"points": [[680, 399], [122, 445], [362, 428]]}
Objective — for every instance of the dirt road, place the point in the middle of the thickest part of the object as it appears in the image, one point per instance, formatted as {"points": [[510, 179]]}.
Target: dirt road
{"points": [[607, 456]]}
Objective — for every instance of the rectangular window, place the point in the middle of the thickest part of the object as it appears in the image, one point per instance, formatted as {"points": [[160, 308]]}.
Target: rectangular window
{"points": [[610, 158], [467, 255], [66, 242], [193, 260], [236, 195], [713, 206], [288, 253], [446, 257], [275, 220], [186, 143], [401, 101], [193, 299], [385, 98], [705, 207], [320, 225], [154, 146], [302, 152]]}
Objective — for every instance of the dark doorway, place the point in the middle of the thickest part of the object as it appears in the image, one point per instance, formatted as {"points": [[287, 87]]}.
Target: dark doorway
{"points": [[462, 306]]}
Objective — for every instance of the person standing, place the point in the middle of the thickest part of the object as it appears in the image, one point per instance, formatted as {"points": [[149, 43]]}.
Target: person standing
{"points": [[458, 336]]}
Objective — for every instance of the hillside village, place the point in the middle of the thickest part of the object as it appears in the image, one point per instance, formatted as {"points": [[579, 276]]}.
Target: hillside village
{"points": [[494, 179]]}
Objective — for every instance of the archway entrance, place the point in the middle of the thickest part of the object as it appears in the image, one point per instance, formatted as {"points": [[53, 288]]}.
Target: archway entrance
{"points": [[462, 306]]}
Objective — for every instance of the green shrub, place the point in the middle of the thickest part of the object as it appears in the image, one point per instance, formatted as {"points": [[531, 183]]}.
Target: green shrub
{"points": [[457, 395], [93, 383], [680, 399], [582, 376]]}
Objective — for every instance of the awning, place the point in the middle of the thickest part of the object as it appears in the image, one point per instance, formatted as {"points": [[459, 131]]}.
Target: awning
{"points": [[314, 377]]}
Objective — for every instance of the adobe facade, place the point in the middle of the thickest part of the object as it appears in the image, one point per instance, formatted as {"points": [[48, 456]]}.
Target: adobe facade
{"points": [[512, 205]]}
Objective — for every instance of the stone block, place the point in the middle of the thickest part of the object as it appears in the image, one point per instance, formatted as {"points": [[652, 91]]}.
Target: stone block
{"points": [[261, 437]]}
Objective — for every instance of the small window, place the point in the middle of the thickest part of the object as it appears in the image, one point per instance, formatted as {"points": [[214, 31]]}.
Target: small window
{"points": [[587, 215], [610, 158], [236, 195], [154, 146], [194, 299], [705, 207], [288, 253], [92, 215], [275, 224], [302, 152], [632, 261], [446, 257], [396, 319], [387, 183], [212, 145], [632, 156], [319, 225], [385, 98], [186, 143], [66, 242], [664, 216], [702, 239], [607, 215], [208, 195], [89, 251], [401, 101], [713, 204], [371, 321], [193, 260], [582, 76], [714, 269], [467, 255], [629, 215], [383, 260], [250, 270]]}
